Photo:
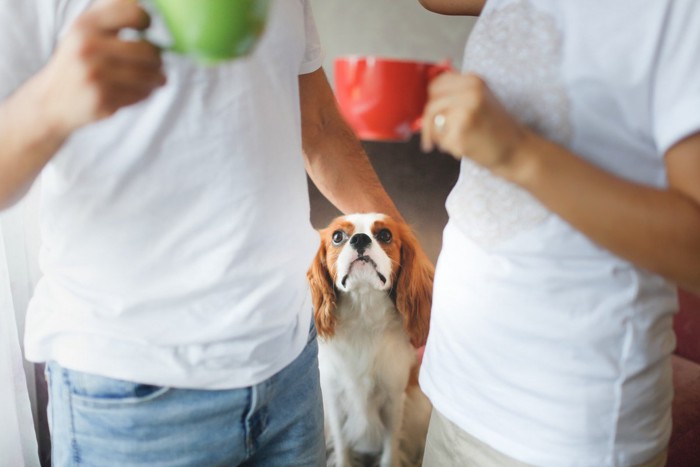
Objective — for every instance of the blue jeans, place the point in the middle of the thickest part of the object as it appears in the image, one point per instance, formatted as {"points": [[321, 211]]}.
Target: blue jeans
{"points": [[106, 422]]}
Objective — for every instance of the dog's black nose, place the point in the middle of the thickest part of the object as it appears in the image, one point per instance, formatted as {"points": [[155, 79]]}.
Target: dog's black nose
{"points": [[360, 242]]}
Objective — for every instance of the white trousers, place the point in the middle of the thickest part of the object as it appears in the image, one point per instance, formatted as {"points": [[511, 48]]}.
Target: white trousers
{"points": [[448, 445]]}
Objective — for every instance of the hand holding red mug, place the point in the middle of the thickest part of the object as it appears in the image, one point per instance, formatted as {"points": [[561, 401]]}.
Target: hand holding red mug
{"points": [[465, 119]]}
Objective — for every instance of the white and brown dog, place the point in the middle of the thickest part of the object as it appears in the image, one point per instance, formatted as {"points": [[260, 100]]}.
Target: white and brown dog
{"points": [[372, 289]]}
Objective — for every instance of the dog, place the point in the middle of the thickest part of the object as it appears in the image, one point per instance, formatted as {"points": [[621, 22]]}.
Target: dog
{"points": [[371, 286]]}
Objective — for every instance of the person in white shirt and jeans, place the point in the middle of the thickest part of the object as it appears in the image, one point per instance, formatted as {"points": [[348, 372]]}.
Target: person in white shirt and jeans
{"points": [[576, 215], [173, 310]]}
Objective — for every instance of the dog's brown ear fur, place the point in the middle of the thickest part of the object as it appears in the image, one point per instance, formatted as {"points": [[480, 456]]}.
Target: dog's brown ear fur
{"points": [[414, 288], [322, 293]]}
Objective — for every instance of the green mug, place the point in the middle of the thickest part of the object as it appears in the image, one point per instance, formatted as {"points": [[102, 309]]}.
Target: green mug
{"points": [[213, 31]]}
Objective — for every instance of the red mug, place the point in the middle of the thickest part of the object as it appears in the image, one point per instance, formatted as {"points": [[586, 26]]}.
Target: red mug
{"points": [[381, 98]]}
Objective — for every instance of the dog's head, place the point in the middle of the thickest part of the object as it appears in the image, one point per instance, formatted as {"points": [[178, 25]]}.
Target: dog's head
{"points": [[372, 252]]}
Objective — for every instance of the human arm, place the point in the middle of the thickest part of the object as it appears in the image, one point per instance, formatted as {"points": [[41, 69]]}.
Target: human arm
{"points": [[657, 229], [333, 155], [454, 7], [92, 74]]}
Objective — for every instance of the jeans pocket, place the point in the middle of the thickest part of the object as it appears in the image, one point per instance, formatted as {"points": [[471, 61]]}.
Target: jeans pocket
{"points": [[99, 391]]}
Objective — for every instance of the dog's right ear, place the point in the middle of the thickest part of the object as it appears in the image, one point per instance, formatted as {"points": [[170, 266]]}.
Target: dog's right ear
{"points": [[322, 292], [414, 288]]}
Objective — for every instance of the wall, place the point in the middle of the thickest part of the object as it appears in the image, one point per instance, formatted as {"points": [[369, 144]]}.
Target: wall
{"points": [[418, 183], [390, 28]]}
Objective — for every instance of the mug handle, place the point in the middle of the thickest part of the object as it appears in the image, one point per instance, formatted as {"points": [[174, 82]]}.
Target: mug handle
{"points": [[439, 68], [163, 41], [432, 72], [164, 46]]}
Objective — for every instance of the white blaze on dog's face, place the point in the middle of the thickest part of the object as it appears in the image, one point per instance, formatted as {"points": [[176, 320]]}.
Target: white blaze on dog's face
{"points": [[366, 252]]}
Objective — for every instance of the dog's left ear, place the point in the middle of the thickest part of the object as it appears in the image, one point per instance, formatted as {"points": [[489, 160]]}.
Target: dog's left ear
{"points": [[414, 288], [322, 292]]}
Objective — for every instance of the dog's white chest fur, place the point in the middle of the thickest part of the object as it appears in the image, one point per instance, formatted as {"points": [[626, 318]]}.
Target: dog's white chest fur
{"points": [[364, 371], [371, 286]]}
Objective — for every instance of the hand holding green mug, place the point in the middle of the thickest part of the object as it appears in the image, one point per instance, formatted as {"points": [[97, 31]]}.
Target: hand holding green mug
{"points": [[213, 30]]}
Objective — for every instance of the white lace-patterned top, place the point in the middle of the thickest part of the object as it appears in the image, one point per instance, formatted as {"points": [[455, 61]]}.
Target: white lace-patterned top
{"points": [[544, 345]]}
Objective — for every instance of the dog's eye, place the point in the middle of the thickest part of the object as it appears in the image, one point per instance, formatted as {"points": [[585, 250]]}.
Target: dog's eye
{"points": [[384, 235], [338, 237]]}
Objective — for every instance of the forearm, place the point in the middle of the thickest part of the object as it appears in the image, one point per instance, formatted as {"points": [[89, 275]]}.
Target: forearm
{"points": [[28, 140], [656, 229], [341, 170], [454, 7], [334, 157]]}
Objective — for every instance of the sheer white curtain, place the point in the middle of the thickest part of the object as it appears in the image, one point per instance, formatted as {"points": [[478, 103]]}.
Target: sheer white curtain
{"points": [[19, 243]]}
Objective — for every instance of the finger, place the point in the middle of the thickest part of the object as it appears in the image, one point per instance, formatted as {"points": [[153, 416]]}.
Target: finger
{"points": [[126, 96], [444, 81], [454, 112], [452, 139], [430, 134], [455, 84], [117, 97], [466, 105], [426, 134], [134, 76], [111, 16], [141, 52]]}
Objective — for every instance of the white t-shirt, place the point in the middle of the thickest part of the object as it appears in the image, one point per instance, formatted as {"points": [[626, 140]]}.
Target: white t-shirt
{"points": [[542, 344], [176, 234]]}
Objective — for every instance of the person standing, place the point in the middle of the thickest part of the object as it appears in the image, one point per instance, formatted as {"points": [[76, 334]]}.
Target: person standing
{"points": [[173, 310], [576, 215]]}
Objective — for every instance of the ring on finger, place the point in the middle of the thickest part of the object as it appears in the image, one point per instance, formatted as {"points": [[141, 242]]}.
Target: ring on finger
{"points": [[439, 122]]}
